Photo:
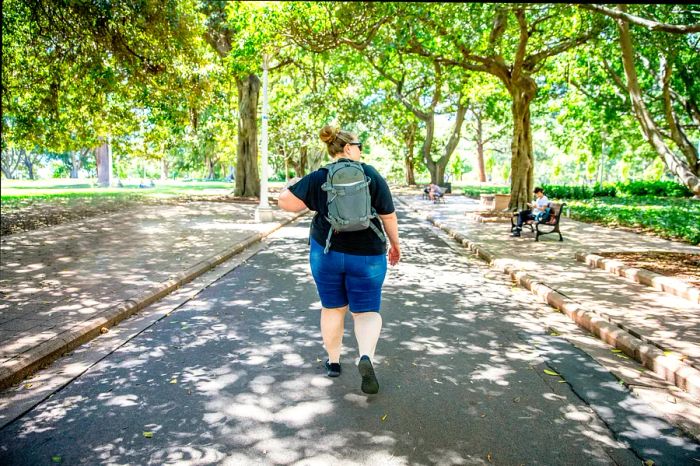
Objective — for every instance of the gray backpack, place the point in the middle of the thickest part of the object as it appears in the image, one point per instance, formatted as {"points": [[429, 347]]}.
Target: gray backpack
{"points": [[349, 202]]}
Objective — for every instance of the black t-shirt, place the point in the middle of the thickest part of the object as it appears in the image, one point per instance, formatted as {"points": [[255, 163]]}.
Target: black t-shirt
{"points": [[361, 243]]}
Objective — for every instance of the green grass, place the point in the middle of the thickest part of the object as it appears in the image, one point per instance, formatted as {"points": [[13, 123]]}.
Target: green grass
{"points": [[17, 194], [672, 218]]}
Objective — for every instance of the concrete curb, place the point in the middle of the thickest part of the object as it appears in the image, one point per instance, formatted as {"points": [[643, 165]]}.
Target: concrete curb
{"points": [[18, 368], [668, 366], [645, 277]]}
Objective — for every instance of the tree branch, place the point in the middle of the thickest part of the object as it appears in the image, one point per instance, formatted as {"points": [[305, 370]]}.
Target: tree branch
{"points": [[677, 134], [424, 116], [522, 45], [561, 47], [616, 78], [653, 25]]}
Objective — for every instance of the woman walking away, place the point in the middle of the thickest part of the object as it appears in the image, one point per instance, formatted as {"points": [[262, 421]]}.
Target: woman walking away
{"points": [[348, 253]]}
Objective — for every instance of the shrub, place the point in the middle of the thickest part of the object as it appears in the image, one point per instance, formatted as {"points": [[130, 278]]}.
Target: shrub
{"points": [[474, 191], [653, 188]]}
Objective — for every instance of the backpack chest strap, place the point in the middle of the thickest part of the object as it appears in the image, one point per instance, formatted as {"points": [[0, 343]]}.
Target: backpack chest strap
{"points": [[345, 190]]}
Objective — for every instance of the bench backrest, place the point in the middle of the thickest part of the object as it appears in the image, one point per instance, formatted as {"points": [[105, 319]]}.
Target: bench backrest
{"points": [[557, 209]]}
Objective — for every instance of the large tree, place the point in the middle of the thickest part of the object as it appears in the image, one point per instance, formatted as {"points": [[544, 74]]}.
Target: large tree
{"points": [[510, 42], [245, 34], [672, 90], [71, 69]]}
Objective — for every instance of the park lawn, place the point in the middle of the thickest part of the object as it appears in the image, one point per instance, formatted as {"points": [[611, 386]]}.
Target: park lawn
{"points": [[672, 218], [28, 205], [20, 194]]}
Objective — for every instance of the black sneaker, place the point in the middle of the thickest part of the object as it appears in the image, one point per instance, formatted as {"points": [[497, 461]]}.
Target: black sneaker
{"points": [[515, 233], [369, 379], [332, 368]]}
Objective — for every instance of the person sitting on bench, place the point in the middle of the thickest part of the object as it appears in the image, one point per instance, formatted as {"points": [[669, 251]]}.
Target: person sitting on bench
{"points": [[434, 192], [541, 203]]}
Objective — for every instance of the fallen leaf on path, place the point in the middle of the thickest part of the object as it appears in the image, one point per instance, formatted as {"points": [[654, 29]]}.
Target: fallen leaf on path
{"points": [[621, 356], [104, 330], [489, 457], [649, 463], [616, 351], [148, 434], [554, 333], [173, 381], [562, 381], [384, 417], [549, 372], [56, 459], [516, 399], [29, 385]]}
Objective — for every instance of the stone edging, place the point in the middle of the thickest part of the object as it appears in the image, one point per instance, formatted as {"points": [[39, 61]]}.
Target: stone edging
{"points": [[670, 367], [48, 351], [645, 277]]}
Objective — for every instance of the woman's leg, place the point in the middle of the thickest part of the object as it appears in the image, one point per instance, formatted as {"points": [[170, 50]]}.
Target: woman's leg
{"points": [[368, 326], [332, 328]]}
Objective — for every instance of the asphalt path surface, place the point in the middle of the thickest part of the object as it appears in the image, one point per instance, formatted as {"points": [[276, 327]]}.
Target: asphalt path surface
{"points": [[235, 376]]}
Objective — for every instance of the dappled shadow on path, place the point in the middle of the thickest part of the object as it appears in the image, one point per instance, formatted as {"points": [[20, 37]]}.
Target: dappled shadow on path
{"points": [[669, 321], [236, 377], [55, 278]]}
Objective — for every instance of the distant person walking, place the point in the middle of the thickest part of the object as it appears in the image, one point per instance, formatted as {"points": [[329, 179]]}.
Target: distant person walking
{"points": [[348, 266]]}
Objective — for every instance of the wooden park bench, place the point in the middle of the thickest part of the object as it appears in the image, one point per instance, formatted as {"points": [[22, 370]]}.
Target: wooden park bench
{"points": [[552, 224]]}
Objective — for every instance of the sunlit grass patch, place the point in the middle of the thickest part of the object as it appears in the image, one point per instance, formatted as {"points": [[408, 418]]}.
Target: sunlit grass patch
{"points": [[673, 218]]}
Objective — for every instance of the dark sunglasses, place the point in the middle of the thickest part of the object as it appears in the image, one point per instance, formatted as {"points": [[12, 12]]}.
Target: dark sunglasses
{"points": [[358, 144]]}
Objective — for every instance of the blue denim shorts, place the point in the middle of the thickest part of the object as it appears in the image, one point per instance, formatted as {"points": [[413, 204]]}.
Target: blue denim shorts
{"points": [[343, 279]]}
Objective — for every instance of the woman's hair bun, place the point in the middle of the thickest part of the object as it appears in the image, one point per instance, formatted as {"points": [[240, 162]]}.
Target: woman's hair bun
{"points": [[328, 134]]}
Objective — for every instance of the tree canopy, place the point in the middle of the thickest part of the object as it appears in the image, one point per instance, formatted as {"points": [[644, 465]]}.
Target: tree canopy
{"points": [[176, 85]]}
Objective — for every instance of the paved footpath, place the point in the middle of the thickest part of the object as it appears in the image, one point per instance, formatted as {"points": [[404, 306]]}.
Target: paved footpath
{"points": [[235, 376], [60, 286], [657, 328]]}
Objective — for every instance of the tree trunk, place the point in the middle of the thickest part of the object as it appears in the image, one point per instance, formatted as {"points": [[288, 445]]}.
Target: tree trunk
{"points": [[651, 131], [247, 177], [211, 164], [74, 164], [480, 161], [451, 145], [437, 168], [103, 157], [163, 169], [427, 148], [480, 147], [677, 134], [522, 158], [409, 160], [29, 164], [300, 164], [10, 161]]}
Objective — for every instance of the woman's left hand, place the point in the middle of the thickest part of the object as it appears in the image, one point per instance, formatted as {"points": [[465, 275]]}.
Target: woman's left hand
{"points": [[394, 255]]}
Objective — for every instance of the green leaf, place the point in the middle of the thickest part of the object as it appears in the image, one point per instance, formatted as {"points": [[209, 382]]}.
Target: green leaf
{"points": [[148, 434], [56, 459], [550, 372]]}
